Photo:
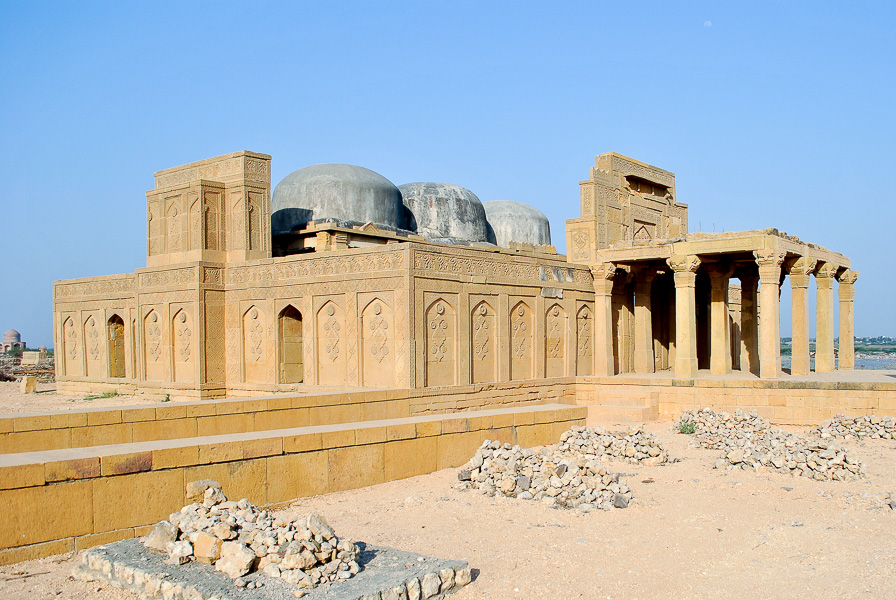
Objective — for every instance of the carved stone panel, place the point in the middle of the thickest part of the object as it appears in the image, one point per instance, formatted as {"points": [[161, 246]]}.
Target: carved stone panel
{"points": [[71, 344], [331, 345], [522, 352], [93, 345], [255, 359], [184, 346], [378, 345], [484, 338], [153, 348], [584, 342], [555, 342], [441, 344]]}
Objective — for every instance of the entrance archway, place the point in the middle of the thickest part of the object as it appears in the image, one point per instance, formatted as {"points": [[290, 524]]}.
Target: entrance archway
{"points": [[291, 369], [115, 331]]}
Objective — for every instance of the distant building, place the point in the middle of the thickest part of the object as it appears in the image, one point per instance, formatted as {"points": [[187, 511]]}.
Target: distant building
{"points": [[12, 339]]}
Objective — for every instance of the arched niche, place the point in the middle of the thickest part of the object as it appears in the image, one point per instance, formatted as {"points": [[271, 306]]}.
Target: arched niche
{"points": [[441, 343], [290, 346], [115, 343], [484, 343], [584, 342], [331, 345], [522, 352], [555, 341]]}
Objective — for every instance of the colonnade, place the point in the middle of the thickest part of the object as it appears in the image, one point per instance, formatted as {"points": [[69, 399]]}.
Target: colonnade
{"points": [[761, 278]]}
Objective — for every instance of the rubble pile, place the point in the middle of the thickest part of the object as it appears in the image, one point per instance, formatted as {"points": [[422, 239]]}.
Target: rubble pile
{"points": [[868, 426], [633, 446], [238, 538], [748, 442], [716, 431], [559, 479]]}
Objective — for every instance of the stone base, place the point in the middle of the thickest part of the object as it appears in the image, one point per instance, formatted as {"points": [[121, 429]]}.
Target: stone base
{"points": [[385, 573]]}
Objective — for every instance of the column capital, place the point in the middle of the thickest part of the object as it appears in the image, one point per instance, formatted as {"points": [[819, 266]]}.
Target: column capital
{"points": [[683, 263], [827, 271], [603, 274], [802, 266], [848, 277], [769, 257]]}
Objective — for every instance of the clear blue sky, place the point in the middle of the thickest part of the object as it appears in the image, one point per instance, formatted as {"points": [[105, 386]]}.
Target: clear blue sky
{"points": [[770, 114]]}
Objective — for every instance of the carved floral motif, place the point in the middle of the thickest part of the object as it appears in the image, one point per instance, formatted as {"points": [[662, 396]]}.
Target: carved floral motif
{"points": [[93, 339], [153, 337], [481, 335], [379, 347], [183, 337], [438, 339], [255, 336], [519, 331], [331, 327]]}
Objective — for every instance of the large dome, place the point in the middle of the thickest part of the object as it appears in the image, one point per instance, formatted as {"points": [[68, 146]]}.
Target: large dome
{"points": [[12, 335], [516, 222], [444, 212], [335, 191]]}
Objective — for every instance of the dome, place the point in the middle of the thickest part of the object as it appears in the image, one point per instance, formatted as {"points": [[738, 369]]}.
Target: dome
{"points": [[12, 335], [336, 191], [516, 222], [443, 211]]}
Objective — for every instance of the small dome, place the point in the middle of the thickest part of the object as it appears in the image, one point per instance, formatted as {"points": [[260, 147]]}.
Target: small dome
{"points": [[443, 211], [336, 191], [516, 222], [12, 335]]}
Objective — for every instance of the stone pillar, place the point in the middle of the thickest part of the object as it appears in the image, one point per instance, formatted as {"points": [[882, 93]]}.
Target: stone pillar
{"points": [[847, 294], [719, 331], [603, 318], [800, 272], [769, 262], [645, 360], [749, 325], [824, 318], [685, 269]]}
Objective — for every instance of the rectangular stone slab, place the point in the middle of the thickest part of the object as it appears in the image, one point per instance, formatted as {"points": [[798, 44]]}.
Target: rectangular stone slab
{"points": [[128, 565]]}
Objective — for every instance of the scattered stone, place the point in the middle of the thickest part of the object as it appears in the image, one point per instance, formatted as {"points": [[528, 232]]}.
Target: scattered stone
{"points": [[568, 475], [748, 441], [868, 426], [635, 445], [239, 539]]}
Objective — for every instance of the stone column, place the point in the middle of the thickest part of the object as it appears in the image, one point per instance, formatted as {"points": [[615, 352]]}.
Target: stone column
{"points": [[749, 325], [769, 262], [719, 331], [847, 294], [685, 269], [603, 318], [824, 318], [800, 272], [645, 361]]}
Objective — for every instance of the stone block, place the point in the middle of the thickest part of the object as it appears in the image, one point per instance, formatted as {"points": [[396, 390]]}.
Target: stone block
{"points": [[104, 435], [11, 556], [35, 522], [455, 425], [103, 417], [173, 457], [20, 476], [122, 464], [337, 438], [136, 415], [239, 479], [259, 447], [31, 423], [409, 458], [355, 467], [138, 499], [302, 443], [297, 475], [107, 537], [281, 419], [76, 468], [371, 435], [402, 431], [224, 424], [528, 436], [28, 385], [428, 428], [220, 452], [456, 448], [146, 431]]}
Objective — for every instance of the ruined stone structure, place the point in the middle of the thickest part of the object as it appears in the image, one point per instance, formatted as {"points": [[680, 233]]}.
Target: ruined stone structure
{"points": [[367, 284]]}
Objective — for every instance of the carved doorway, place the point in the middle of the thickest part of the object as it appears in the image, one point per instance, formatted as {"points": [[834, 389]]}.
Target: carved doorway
{"points": [[115, 328], [290, 325]]}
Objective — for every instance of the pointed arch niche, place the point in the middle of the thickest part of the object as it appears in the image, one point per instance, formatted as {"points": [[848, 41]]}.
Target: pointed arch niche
{"points": [[153, 363], [441, 344], [115, 343], [254, 355], [584, 342], [70, 345], [290, 368], [331, 345], [184, 346], [555, 354], [378, 334], [522, 355], [484, 341]]}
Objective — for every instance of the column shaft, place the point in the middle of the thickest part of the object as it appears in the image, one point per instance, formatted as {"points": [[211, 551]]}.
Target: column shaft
{"points": [[603, 319], [749, 332], [685, 268], [799, 284], [645, 361], [824, 319], [720, 334], [770, 306], [847, 294]]}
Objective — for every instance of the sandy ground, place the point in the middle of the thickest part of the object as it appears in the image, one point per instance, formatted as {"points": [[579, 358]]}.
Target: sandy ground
{"points": [[46, 399], [693, 532]]}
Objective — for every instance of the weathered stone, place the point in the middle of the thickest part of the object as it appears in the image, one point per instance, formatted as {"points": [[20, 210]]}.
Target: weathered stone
{"points": [[430, 585], [206, 548], [236, 559], [196, 489], [163, 533]]}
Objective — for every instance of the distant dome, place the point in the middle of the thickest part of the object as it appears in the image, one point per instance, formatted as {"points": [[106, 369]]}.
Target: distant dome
{"points": [[443, 211], [12, 335], [336, 191], [516, 222]]}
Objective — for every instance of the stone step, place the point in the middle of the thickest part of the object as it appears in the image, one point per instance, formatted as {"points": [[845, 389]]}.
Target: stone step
{"points": [[604, 415]]}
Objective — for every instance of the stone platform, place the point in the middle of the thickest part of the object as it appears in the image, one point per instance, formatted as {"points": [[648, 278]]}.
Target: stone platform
{"points": [[385, 573], [795, 400]]}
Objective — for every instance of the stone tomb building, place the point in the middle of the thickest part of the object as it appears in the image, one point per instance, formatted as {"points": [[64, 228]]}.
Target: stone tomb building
{"points": [[340, 278], [12, 339]]}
